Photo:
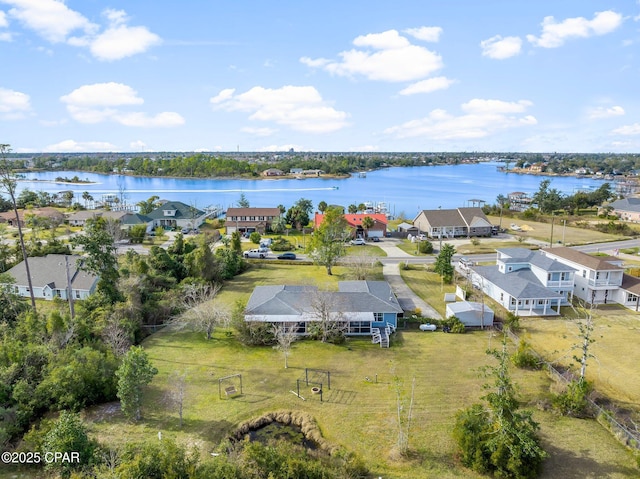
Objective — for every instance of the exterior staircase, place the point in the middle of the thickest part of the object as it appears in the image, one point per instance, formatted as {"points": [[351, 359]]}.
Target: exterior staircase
{"points": [[381, 335]]}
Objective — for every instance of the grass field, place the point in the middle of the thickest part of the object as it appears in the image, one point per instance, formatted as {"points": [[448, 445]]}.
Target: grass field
{"points": [[358, 414]]}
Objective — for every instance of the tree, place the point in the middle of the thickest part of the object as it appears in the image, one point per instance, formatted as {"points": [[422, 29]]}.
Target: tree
{"points": [[297, 217], [352, 209], [361, 265], [329, 323], [148, 205], [86, 196], [362, 207], [499, 438], [69, 434], [285, 334], [243, 202], [305, 205], [134, 373], [101, 256], [327, 243], [367, 223], [443, 264], [8, 184], [236, 242], [404, 415], [255, 237], [278, 224], [178, 392], [548, 200], [322, 206], [200, 311], [68, 197]]}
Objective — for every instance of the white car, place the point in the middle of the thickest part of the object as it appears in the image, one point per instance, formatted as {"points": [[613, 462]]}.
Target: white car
{"points": [[358, 242], [255, 253]]}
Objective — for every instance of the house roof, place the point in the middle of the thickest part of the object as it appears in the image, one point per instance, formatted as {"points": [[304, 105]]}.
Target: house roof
{"points": [[183, 211], [472, 217], [353, 296], [46, 212], [253, 212], [406, 226], [355, 219], [521, 284], [597, 263], [51, 270], [631, 284], [464, 306], [136, 219], [626, 204], [536, 258]]}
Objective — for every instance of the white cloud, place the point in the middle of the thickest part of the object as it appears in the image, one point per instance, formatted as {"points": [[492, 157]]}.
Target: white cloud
{"points": [[385, 56], [51, 19], [259, 131], [6, 37], [69, 146], [103, 101], [13, 104], [482, 118], [300, 108], [57, 23], [428, 86], [500, 48], [554, 34], [628, 130], [4, 23], [139, 145], [604, 112], [426, 34], [121, 41]]}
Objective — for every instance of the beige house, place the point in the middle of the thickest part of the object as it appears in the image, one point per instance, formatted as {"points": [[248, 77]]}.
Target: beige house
{"points": [[453, 223], [627, 209], [248, 220]]}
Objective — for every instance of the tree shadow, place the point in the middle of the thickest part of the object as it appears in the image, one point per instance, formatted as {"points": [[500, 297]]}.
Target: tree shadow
{"points": [[570, 464]]}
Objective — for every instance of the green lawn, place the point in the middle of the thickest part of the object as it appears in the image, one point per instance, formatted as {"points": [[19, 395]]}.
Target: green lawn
{"points": [[358, 414], [428, 286]]}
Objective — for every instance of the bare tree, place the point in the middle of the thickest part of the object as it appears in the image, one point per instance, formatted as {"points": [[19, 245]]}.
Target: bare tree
{"points": [[201, 311], [116, 337], [286, 334], [329, 321], [361, 265], [114, 228], [404, 415], [8, 184], [178, 392]]}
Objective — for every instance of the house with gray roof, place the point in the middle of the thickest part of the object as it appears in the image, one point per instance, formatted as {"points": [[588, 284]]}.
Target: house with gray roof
{"points": [[597, 279], [627, 209], [177, 215], [364, 307], [49, 277], [525, 282], [453, 223]]}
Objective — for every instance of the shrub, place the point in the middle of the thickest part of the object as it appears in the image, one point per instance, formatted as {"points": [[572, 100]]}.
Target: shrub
{"points": [[281, 244], [425, 247], [573, 400], [255, 237], [524, 357], [512, 322]]}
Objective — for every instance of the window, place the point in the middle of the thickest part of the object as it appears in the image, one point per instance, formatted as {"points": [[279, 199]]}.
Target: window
{"points": [[378, 317], [301, 327], [632, 298], [77, 294], [360, 327], [501, 296]]}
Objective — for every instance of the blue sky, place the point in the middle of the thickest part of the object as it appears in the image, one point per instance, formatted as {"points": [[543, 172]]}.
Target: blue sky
{"points": [[360, 75]]}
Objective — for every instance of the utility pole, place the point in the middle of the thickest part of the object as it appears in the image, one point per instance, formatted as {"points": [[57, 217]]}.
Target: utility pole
{"points": [[551, 239], [69, 288], [564, 227]]}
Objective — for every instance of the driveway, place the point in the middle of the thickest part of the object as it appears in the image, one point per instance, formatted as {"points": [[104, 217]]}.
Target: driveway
{"points": [[408, 300]]}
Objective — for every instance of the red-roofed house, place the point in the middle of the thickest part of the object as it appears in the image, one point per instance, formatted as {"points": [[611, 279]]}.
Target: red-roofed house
{"points": [[379, 228]]}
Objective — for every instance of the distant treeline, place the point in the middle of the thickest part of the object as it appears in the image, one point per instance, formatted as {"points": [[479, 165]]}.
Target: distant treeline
{"points": [[253, 164]]}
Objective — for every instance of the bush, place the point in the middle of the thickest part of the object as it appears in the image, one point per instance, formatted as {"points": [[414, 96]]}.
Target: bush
{"points": [[281, 244], [573, 401], [524, 357], [425, 247], [255, 237], [453, 324]]}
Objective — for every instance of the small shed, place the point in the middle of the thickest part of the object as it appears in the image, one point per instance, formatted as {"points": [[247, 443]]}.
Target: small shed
{"points": [[407, 228], [470, 313]]}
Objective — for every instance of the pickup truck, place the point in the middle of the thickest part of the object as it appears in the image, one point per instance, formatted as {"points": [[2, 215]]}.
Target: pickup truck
{"points": [[256, 253]]}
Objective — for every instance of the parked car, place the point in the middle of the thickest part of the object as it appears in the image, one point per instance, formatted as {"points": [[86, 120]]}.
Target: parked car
{"points": [[255, 253], [186, 231], [358, 242], [287, 256], [375, 239]]}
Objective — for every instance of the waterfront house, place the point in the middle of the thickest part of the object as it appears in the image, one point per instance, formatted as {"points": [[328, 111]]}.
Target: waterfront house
{"points": [[49, 277], [627, 209], [597, 278], [453, 223], [363, 308], [272, 172], [177, 215], [525, 282], [248, 220], [519, 201], [354, 221]]}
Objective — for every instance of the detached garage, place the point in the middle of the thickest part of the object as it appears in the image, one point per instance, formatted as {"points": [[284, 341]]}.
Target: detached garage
{"points": [[471, 314]]}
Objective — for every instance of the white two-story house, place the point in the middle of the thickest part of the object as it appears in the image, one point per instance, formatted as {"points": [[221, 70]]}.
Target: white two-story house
{"points": [[598, 278], [525, 282]]}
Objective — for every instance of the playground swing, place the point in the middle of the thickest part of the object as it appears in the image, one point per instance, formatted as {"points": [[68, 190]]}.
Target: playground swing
{"points": [[231, 390]]}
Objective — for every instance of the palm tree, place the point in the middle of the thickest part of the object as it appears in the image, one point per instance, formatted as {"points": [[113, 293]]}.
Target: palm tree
{"points": [[8, 184], [86, 197], [352, 209], [367, 223]]}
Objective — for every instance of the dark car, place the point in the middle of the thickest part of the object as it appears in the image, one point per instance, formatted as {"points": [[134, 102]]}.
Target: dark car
{"points": [[287, 256]]}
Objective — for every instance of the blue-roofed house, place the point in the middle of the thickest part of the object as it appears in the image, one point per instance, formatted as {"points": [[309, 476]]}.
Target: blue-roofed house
{"points": [[525, 282], [363, 307]]}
